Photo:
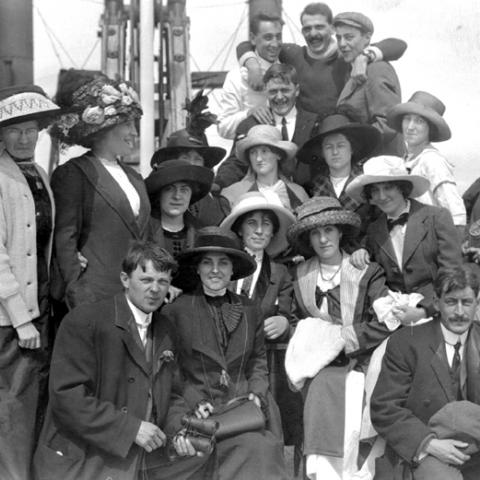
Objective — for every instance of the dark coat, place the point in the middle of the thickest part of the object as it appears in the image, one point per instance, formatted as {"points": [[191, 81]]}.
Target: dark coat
{"points": [[232, 169], [99, 387], [94, 217], [431, 247], [415, 383]]}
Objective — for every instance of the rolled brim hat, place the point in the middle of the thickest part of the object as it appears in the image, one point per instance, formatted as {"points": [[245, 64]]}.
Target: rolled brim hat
{"points": [[385, 168], [23, 103], [172, 171], [264, 135], [252, 201], [427, 106], [318, 212], [365, 139], [181, 141], [220, 240]]}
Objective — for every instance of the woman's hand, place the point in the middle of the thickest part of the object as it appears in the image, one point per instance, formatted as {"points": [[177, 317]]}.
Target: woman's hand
{"points": [[254, 398], [183, 446], [409, 315], [275, 326], [28, 336], [173, 293], [360, 259], [204, 409]]}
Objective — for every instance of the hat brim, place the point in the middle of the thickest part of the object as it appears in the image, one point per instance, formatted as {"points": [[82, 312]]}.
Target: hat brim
{"points": [[243, 264], [366, 137], [200, 177], [288, 148], [348, 221], [212, 156], [354, 189], [279, 242], [440, 133]]}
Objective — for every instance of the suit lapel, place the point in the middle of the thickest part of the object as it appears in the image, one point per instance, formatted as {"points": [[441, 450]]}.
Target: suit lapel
{"points": [[439, 361], [162, 343], [473, 364], [382, 237], [415, 231], [263, 280], [125, 321]]}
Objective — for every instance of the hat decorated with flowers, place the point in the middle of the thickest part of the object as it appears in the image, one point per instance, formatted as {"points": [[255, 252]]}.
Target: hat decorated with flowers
{"points": [[98, 104]]}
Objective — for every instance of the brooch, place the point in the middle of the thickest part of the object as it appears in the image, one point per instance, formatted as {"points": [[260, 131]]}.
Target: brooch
{"points": [[167, 356]]}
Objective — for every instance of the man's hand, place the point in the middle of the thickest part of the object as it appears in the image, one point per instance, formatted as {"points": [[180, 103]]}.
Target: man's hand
{"points": [[28, 336], [360, 259], [150, 437], [275, 326], [262, 114], [255, 75], [183, 447], [82, 260], [204, 409], [447, 451], [359, 69], [409, 315]]}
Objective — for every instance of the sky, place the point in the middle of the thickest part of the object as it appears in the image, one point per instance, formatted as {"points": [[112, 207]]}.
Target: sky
{"points": [[443, 55]]}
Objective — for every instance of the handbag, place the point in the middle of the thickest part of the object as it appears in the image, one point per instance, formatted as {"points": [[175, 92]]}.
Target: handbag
{"points": [[239, 415]]}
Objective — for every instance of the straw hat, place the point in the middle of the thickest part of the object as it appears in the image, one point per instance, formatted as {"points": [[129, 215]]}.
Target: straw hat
{"points": [[22, 103], [220, 240], [385, 168], [264, 135], [427, 106], [365, 138], [181, 141], [318, 212], [252, 201], [172, 171]]}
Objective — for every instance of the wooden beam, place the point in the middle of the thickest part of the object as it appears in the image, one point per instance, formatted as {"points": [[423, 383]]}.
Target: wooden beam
{"points": [[208, 79]]}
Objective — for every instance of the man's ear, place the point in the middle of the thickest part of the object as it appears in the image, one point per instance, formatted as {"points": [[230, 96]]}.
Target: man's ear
{"points": [[436, 302], [297, 90], [125, 279], [252, 39]]}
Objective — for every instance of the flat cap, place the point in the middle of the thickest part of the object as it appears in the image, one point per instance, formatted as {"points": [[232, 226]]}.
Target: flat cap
{"points": [[354, 19]]}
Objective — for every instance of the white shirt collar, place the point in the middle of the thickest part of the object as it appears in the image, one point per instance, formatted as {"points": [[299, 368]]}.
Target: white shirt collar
{"points": [[142, 319], [290, 117], [452, 338]]}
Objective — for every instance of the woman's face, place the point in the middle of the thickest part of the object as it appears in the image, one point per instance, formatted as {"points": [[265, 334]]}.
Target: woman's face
{"points": [[416, 130], [215, 270], [388, 198], [20, 139], [256, 231], [175, 199], [120, 139], [264, 160], [337, 152], [325, 241]]}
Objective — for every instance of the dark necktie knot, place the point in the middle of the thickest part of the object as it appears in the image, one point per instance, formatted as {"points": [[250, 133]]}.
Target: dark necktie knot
{"points": [[401, 220], [284, 129]]}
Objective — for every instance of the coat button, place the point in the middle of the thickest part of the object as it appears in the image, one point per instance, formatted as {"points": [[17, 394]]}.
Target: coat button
{"points": [[124, 409], [28, 225], [131, 380]]}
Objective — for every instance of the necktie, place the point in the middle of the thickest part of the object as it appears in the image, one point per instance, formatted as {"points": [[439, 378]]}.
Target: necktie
{"points": [[401, 220], [247, 284], [284, 129], [455, 370]]}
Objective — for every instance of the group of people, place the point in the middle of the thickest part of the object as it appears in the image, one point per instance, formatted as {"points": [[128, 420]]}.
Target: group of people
{"points": [[316, 288]]}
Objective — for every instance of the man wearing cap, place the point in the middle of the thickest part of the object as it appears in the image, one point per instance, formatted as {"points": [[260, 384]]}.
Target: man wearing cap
{"points": [[424, 371], [26, 227], [379, 92], [295, 124]]}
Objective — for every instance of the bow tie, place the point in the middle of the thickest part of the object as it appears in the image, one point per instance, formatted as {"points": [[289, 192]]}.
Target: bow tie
{"points": [[401, 220]]}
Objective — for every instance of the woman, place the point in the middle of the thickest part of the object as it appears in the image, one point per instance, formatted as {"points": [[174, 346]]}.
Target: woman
{"points": [[330, 350], [173, 186], [413, 242], [102, 203], [337, 152], [26, 234], [261, 226], [222, 355], [421, 122], [265, 151]]}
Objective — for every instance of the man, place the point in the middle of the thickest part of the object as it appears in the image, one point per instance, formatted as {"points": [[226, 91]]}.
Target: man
{"points": [[423, 370], [295, 124], [322, 72], [238, 99], [111, 379], [26, 228], [381, 91]]}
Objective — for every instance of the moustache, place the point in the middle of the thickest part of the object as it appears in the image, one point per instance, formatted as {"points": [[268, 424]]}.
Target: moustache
{"points": [[459, 318]]}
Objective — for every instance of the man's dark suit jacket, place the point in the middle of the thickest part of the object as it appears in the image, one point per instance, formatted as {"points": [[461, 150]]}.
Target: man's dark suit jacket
{"points": [[232, 169], [415, 383]]}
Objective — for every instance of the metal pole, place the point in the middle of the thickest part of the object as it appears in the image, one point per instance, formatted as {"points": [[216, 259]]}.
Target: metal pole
{"points": [[146, 85], [16, 42]]}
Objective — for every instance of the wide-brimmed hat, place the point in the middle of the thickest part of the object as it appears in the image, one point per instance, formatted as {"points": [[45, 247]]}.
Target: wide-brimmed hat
{"points": [[172, 171], [99, 104], [365, 137], [221, 240], [385, 168], [252, 201], [181, 141], [22, 103], [318, 212], [264, 135], [427, 106]]}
